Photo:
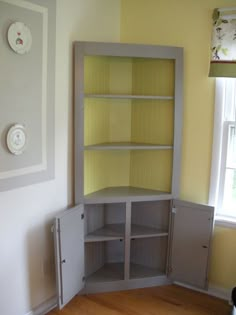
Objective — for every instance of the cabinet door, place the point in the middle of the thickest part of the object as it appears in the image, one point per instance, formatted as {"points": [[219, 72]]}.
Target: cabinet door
{"points": [[191, 231], [69, 253]]}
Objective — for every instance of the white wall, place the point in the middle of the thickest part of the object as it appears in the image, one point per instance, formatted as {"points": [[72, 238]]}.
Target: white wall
{"points": [[26, 263]]}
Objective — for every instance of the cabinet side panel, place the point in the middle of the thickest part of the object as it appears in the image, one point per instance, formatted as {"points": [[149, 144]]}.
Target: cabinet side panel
{"points": [[94, 218], [96, 121], [94, 171], [107, 120], [153, 76], [151, 169], [115, 213], [151, 214], [149, 252], [120, 120], [106, 169], [152, 121], [94, 257], [120, 75], [114, 251], [96, 75]]}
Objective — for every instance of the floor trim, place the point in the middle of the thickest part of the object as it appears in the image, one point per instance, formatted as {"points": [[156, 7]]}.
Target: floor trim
{"points": [[44, 308], [221, 293]]}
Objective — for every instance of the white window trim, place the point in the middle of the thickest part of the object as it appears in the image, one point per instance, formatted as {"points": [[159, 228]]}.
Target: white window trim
{"points": [[219, 155], [217, 141]]}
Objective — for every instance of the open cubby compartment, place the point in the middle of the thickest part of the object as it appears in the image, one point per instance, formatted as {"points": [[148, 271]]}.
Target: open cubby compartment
{"points": [[109, 75], [148, 257], [104, 261], [150, 218], [126, 121], [104, 222], [144, 169]]}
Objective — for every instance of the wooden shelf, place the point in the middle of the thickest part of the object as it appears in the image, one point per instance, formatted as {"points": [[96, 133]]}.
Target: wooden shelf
{"points": [[127, 146], [127, 96], [124, 194], [140, 231], [107, 233], [116, 232], [108, 272], [140, 271]]}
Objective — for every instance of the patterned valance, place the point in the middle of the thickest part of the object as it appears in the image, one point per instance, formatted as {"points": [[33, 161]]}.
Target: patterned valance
{"points": [[223, 48]]}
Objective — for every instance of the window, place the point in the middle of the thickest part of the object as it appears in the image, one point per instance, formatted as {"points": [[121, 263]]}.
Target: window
{"points": [[223, 177]]}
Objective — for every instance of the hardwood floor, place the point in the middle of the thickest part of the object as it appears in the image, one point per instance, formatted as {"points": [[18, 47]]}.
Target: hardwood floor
{"points": [[163, 300]]}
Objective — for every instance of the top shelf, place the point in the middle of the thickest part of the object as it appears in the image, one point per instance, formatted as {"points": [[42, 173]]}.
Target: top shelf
{"points": [[124, 194], [127, 96]]}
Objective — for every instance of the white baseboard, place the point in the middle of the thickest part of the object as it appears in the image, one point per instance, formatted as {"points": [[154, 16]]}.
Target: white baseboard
{"points": [[44, 308], [224, 294], [221, 293]]}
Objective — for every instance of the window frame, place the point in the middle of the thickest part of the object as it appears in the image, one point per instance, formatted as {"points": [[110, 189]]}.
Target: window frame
{"points": [[219, 155]]}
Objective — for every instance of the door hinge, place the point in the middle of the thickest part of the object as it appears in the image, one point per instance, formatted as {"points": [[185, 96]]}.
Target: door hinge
{"points": [[174, 210], [82, 216], [83, 279]]}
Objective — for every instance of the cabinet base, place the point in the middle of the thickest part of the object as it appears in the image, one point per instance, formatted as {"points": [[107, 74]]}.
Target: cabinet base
{"points": [[125, 284]]}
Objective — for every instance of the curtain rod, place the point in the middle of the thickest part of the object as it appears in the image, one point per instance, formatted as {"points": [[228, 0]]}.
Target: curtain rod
{"points": [[227, 9]]}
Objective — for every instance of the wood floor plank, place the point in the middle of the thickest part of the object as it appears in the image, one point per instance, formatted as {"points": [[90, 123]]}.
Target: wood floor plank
{"points": [[163, 300]]}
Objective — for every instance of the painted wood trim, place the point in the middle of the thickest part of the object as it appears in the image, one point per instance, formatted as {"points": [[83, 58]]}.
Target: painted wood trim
{"points": [[128, 50], [183, 203], [127, 239], [225, 222], [78, 124], [45, 169], [139, 97], [178, 112], [217, 142]]}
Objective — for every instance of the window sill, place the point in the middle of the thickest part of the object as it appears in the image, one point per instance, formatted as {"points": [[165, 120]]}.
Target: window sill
{"points": [[225, 222]]}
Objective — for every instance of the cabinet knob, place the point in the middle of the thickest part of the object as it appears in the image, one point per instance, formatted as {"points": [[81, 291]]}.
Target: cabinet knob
{"points": [[204, 246], [63, 261]]}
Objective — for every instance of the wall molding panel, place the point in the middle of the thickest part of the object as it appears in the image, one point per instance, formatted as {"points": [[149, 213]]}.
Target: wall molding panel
{"points": [[27, 92]]}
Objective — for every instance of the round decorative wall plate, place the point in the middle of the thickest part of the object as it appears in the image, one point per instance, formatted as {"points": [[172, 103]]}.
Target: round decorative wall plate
{"points": [[19, 37], [16, 139]]}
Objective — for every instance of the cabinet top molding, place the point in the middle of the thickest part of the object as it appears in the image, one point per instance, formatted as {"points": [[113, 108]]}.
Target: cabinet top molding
{"points": [[128, 50]]}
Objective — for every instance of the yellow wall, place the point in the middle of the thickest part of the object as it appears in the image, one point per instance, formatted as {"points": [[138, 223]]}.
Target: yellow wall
{"points": [[187, 23], [223, 262]]}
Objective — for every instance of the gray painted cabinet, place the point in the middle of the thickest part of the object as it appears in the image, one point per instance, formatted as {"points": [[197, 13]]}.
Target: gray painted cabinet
{"points": [[129, 230], [107, 247]]}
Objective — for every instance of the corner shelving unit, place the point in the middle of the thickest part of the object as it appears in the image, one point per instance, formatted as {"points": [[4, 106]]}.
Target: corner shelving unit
{"points": [[128, 109], [128, 229]]}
